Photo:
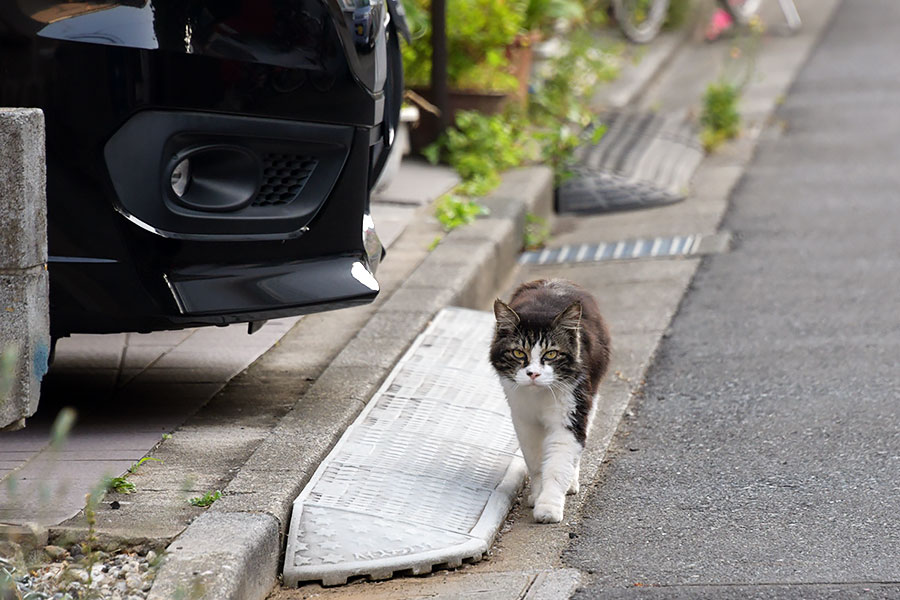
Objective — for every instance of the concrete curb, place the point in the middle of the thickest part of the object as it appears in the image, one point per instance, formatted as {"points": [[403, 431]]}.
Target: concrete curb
{"points": [[208, 552], [24, 281], [465, 269]]}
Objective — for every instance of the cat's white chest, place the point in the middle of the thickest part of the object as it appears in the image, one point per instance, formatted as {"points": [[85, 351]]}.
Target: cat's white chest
{"points": [[537, 406]]}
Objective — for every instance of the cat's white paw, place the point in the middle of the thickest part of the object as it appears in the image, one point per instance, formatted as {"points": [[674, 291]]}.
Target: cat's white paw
{"points": [[533, 495], [573, 487], [548, 512]]}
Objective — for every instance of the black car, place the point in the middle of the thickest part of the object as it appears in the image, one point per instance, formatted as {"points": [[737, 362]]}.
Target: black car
{"points": [[208, 161]]}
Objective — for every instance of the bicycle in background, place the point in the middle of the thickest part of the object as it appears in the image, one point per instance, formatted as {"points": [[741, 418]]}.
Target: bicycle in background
{"points": [[641, 20]]}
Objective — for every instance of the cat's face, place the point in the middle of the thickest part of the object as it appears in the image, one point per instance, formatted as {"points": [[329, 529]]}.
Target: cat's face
{"points": [[535, 353]]}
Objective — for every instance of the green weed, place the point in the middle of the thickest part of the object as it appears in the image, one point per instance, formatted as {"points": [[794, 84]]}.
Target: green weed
{"points": [[206, 499], [720, 119], [536, 233], [133, 468], [119, 484], [454, 211], [435, 242], [90, 516]]}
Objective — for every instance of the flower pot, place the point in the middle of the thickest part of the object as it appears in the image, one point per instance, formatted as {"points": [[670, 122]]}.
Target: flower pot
{"points": [[520, 55], [486, 102]]}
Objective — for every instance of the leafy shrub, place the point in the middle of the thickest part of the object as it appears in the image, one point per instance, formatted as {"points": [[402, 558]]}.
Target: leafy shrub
{"points": [[478, 147], [559, 110], [455, 211], [478, 34], [543, 14]]}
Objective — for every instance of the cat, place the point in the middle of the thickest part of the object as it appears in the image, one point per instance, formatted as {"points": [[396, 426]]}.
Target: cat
{"points": [[551, 348]]}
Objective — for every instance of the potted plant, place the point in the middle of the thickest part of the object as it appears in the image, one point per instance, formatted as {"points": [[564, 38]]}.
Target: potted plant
{"points": [[479, 35]]}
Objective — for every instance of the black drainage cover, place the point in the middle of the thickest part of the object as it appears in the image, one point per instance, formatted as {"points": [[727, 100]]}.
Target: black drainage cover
{"points": [[643, 160]]}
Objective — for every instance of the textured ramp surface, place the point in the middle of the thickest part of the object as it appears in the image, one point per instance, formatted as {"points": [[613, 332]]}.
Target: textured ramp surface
{"points": [[426, 474], [642, 160]]}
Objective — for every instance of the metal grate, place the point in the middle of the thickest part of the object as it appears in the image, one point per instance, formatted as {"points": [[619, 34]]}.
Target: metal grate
{"points": [[658, 247], [424, 476], [284, 176]]}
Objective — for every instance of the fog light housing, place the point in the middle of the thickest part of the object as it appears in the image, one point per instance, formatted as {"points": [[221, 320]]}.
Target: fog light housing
{"points": [[214, 178], [181, 177]]}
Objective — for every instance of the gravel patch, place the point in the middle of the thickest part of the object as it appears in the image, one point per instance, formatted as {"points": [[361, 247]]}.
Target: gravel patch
{"points": [[58, 573]]}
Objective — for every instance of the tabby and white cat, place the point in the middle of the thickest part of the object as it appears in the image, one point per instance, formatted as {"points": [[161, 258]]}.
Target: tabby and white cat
{"points": [[551, 349]]}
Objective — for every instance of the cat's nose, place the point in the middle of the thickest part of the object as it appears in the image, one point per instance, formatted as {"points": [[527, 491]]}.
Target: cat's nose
{"points": [[533, 374]]}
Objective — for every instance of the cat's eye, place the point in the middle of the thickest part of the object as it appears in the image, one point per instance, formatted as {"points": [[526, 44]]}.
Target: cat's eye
{"points": [[550, 354], [518, 353]]}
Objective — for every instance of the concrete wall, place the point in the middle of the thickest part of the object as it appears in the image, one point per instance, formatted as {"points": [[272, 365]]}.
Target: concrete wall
{"points": [[24, 283]]}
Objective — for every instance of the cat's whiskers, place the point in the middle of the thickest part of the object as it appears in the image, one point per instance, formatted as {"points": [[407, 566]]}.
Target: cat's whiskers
{"points": [[560, 387], [563, 386]]}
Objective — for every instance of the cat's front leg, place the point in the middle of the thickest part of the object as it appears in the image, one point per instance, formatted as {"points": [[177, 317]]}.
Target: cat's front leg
{"points": [[574, 485], [561, 450], [532, 450], [535, 491], [531, 440]]}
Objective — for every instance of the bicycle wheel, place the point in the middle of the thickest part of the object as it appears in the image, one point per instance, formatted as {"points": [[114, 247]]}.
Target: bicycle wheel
{"points": [[741, 10], [640, 20]]}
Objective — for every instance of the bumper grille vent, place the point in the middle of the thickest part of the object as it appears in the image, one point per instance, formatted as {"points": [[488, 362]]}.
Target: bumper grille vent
{"points": [[284, 176]]}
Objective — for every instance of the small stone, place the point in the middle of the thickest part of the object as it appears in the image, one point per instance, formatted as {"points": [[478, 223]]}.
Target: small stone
{"points": [[55, 552], [115, 505], [133, 582], [120, 587], [151, 557], [148, 583], [80, 574]]}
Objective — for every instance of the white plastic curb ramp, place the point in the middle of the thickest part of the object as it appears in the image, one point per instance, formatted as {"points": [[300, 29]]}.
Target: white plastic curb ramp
{"points": [[426, 474]]}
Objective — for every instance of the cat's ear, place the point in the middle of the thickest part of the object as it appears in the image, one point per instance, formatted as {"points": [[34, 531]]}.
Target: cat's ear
{"points": [[570, 318], [506, 317]]}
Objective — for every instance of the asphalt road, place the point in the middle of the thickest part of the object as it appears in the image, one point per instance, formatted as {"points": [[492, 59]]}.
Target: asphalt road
{"points": [[763, 460]]}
